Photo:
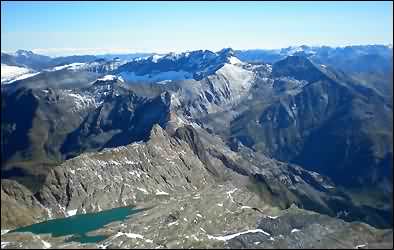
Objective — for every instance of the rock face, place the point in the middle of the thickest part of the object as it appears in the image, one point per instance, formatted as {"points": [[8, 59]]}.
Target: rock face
{"points": [[18, 206], [124, 176], [323, 124], [58, 124], [121, 119], [190, 135]]}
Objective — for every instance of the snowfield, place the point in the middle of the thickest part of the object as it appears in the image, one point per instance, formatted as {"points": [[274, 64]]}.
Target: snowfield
{"points": [[240, 78], [72, 66], [234, 60], [9, 73], [159, 77]]}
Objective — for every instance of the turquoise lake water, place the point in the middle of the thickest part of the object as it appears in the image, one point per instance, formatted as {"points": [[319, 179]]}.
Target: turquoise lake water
{"points": [[79, 225]]}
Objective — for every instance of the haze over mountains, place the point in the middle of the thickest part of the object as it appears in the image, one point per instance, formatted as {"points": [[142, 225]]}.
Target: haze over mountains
{"points": [[260, 132]]}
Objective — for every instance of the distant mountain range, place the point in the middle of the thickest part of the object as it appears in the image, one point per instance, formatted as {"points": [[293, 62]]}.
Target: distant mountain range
{"points": [[369, 64]]}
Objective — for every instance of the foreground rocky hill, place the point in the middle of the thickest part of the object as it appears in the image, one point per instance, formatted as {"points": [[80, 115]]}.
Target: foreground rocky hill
{"points": [[192, 199]]}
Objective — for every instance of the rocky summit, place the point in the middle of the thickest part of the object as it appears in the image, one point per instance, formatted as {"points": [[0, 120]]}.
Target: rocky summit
{"points": [[221, 149]]}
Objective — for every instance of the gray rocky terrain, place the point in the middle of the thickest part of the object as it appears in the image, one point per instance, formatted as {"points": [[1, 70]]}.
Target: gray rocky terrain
{"points": [[188, 205]]}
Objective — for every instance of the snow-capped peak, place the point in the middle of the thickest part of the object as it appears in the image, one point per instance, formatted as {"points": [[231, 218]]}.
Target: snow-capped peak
{"points": [[178, 66]]}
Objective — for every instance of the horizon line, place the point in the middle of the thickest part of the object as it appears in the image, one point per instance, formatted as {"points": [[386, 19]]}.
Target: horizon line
{"points": [[63, 52]]}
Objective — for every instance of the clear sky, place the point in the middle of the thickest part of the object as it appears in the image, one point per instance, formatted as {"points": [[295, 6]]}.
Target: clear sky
{"points": [[60, 28]]}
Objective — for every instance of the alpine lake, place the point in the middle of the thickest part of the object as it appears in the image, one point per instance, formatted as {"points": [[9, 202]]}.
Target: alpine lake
{"points": [[79, 225]]}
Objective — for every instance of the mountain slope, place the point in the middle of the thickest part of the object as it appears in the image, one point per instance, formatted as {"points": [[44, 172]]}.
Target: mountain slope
{"points": [[354, 121]]}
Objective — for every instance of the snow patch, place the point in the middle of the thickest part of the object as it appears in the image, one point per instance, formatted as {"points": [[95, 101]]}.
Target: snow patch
{"points": [[4, 244], [4, 231], [231, 192], [128, 235], [328, 186], [46, 244], [231, 236], [72, 66], [143, 190], [295, 230], [158, 192], [107, 78], [172, 223], [120, 79], [72, 212], [155, 58], [196, 197], [164, 82]]}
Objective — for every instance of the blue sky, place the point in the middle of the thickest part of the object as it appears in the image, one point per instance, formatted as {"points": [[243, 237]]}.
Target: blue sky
{"points": [[63, 28]]}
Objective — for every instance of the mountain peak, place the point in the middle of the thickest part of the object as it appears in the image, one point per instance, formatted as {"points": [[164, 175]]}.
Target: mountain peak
{"points": [[178, 66], [227, 52], [298, 66], [157, 132], [25, 53]]}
